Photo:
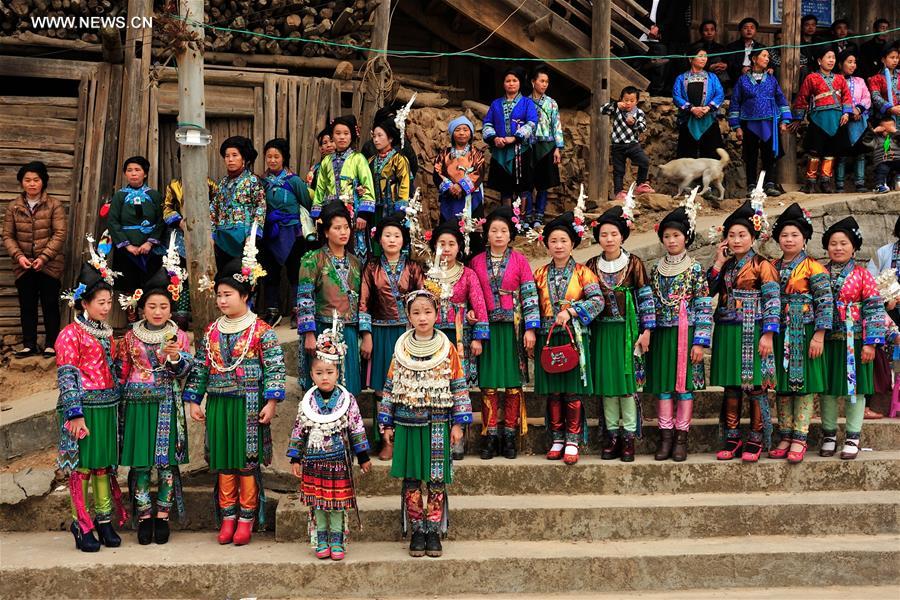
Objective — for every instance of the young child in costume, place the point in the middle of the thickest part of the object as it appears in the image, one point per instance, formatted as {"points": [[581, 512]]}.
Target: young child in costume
{"points": [[154, 355], [88, 405], [569, 298], [424, 409], [683, 329], [512, 303], [240, 368], [345, 176], [806, 316], [850, 348], [623, 324], [386, 280], [330, 281], [327, 433], [747, 318]]}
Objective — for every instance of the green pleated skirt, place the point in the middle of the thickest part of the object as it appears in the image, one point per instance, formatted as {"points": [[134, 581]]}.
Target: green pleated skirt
{"points": [[813, 368], [661, 362], [101, 447], [384, 338], [226, 432], [611, 378], [498, 365], [725, 369], [562, 383], [836, 369], [412, 453], [139, 436]]}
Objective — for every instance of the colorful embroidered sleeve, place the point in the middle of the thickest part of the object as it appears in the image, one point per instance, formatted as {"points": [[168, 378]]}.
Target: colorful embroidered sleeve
{"points": [[801, 100], [365, 293], [215, 208], [362, 175], [770, 289], [591, 304], [526, 131], [556, 125], [272, 360], [461, 413], [357, 429], [679, 93], [489, 124], [702, 305], [123, 364], [402, 176], [878, 87], [386, 404], [846, 99], [823, 303], [529, 298], [257, 199], [324, 186], [180, 368], [716, 94], [475, 300], [297, 443], [643, 292], [306, 303], [172, 203], [872, 307], [195, 387], [68, 375]]}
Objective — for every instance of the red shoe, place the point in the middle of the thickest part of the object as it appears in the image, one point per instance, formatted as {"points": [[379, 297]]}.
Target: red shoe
{"points": [[797, 457], [226, 532], [780, 452], [644, 188], [730, 450], [554, 454], [569, 458], [751, 452], [871, 415], [243, 533]]}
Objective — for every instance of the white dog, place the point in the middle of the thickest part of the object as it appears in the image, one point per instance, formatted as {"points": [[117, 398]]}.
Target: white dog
{"points": [[687, 170]]}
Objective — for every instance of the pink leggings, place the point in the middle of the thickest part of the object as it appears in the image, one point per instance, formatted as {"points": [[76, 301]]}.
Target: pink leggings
{"points": [[685, 410]]}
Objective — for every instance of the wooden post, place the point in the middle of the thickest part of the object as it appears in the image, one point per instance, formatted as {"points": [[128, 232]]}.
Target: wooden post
{"points": [[194, 172], [370, 88], [598, 165], [790, 70]]}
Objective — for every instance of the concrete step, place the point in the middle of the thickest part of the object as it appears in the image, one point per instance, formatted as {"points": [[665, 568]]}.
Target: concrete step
{"points": [[193, 565], [869, 592], [594, 518]]}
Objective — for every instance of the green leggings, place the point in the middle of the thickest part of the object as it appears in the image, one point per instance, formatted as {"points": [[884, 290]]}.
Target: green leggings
{"points": [[794, 413], [854, 412], [616, 407], [330, 520], [102, 495], [142, 491]]}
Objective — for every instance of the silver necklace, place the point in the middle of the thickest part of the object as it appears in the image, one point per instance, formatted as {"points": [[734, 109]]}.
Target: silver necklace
{"points": [[670, 266], [95, 328], [154, 336], [615, 265], [228, 325]]}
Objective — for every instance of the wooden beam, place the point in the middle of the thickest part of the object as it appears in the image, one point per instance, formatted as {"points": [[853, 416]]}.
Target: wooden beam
{"points": [[28, 38], [598, 160], [52, 68], [276, 60], [788, 75]]}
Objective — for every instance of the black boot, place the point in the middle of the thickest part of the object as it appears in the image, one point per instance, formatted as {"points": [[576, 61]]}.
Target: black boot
{"points": [[417, 544], [679, 454], [86, 542], [145, 531], [489, 445], [108, 535], [665, 444], [628, 448], [613, 448], [433, 544], [509, 443], [160, 530]]}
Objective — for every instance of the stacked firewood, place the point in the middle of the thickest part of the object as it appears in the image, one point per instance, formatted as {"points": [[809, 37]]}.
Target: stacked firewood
{"points": [[17, 16]]}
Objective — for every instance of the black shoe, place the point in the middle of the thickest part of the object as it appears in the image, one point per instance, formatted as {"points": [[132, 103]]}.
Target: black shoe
{"points": [[86, 542], [145, 531], [509, 443], [433, 544], [771, 190], [273, 317], [417, 544], [108, 535], [160, 530], [489, 445], [26, 352], [613, 448]]}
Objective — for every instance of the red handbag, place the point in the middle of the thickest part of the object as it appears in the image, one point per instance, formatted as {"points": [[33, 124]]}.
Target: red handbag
{"points": [[559, 359]]}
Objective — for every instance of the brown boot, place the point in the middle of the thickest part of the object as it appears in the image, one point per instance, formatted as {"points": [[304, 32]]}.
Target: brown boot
{"points": [[680, 452], [387, 451], [665, 444], [628, 448]]}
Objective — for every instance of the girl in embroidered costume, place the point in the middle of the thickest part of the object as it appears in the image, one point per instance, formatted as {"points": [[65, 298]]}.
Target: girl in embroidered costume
{"points": [[330, 280], [747, 318], [861, 101], [806, 306], [240, 368], [509, 129], [508, 288], [825, 98], [239, 201], [424, 409], [345, 176], [327, 433], [683, 317], [850, 348], [386, 280], [136, 227], [154, 355], [287, 225], [885, 85], [548, 145], [623, 325], [390, 171], [88, 406], [569, 298]]}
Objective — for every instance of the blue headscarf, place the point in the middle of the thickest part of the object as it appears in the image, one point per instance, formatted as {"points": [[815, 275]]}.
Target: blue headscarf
{"points": [[461, 120]]}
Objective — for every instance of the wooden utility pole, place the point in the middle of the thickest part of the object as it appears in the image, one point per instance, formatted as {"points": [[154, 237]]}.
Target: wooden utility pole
{"points": [[372, 86], [598, 160], [790, 72], [195, 170]]}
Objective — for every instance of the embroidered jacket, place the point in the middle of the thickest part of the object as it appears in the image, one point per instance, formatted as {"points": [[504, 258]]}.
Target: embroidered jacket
{"points": [[755, 101], [548, 127], [513, 282], [391, 178], [467, 295], [582, 293], [338, 177], [752, 279], [237, 202], [136, 217], [286, 192], [805, 288], [624, 288], [690, 287], [382, 292], [820, 92], [334, 447], [173, 205], [856, 298], [885, 94], [322, 289], [517, 117], [465, 168]]}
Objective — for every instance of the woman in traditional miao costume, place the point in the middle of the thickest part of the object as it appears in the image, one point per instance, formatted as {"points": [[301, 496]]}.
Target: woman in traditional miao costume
{"points": [[623, 325], [152, 358], [806, 316], [861, 101], [239, 367], [386, 280], [850, 348], [746, 320], [330, 281], [390, 171], [683, 329], [511, 297], [569, 298], [424, 409], [88, 406]]}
